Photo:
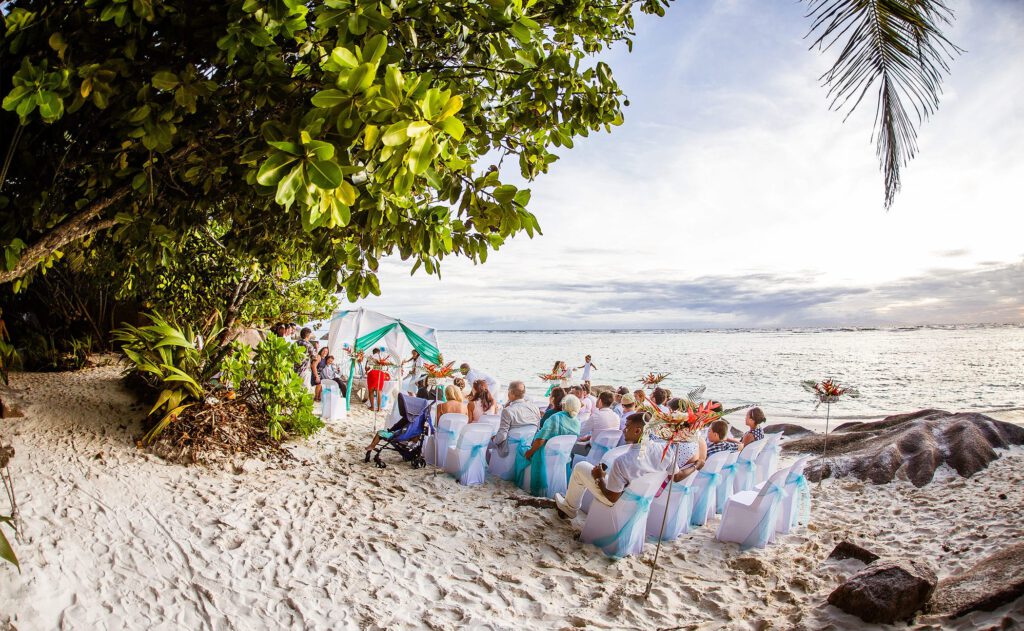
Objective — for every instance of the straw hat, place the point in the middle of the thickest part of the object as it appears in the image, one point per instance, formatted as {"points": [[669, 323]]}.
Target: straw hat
{"points": [[627, 399]]}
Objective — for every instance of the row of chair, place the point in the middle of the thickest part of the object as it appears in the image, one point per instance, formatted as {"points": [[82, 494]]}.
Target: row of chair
{"points": [[754, 498]]}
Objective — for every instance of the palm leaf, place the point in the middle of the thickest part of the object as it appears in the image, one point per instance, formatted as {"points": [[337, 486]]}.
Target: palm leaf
{"points": [[896, 49], [6, 552]]}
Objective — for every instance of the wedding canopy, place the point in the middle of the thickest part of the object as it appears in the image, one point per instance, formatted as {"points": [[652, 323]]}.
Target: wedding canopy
{"points": [[361, 330]]}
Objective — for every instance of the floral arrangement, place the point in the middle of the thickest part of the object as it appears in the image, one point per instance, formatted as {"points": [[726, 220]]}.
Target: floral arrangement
{"points": [[383, 361], [654, 379], [440, 370], [828, 391], [680, 426], [551, 376], [359, 356]]}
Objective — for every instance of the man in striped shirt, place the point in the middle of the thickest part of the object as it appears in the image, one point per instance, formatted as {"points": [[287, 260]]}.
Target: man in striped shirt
{"points": [[718, 438]]}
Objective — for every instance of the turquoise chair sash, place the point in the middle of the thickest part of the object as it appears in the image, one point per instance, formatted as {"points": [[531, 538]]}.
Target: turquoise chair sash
{"points": [[685, 506], [802, 510], [728, 473], [759, 536], [474, 453], [700, 511], [614, 545]]}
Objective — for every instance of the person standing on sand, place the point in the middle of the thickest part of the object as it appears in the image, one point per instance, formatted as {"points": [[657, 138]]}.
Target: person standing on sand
{"points": [[472, 376], [587, 367], [518, 413]]}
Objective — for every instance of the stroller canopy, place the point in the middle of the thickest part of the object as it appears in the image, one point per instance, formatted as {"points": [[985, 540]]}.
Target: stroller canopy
{"points": [[361, 329]]}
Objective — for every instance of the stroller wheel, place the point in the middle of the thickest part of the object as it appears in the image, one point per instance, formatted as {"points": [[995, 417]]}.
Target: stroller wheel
{"points": [[419, 463], [380, 464]]}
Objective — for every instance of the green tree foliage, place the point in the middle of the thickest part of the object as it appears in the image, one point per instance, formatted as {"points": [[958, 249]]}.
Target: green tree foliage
{"points": [[346, 130]]}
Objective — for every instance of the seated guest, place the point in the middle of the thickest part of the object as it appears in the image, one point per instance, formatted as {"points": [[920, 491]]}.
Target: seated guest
{"points": [[590, 403], [718, 433], [754, 420], [585, 406], [554, 403], [607, 487], [455, 403], [563, 423], [518, 413], [617, 405], [628, 408], [659, 397], [332, 373], [602, 419], [481, 402]]}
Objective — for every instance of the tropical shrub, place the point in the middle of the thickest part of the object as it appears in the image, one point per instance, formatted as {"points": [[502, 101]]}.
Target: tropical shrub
{"points": [[171, 359], [269, 380]]}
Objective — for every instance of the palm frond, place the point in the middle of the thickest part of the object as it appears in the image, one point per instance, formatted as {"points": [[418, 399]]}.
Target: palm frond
{"points": [[895, 47]]}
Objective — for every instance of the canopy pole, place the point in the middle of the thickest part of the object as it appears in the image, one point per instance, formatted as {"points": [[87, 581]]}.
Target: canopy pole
{"points": [[352, 366]]}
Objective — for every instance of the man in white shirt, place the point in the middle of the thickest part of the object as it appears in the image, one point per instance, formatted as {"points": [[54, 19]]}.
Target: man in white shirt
{"points": [[601, 419], [472, 376], [607, 488], [587, 402], [518, 413]]}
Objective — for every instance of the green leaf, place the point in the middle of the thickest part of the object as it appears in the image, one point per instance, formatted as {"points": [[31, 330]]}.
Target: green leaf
{"points": [[375, 48], [329, 98], [453, 127], [51, 106], [370, 135], [453, 105], [362, 77], [346, 193], [165, 80], [505, 193], [287, 147], [344, 57], [274, 168], [6, 552], [396, 134], [417, 127], [422, 153], [319, 150], [325, 174], [289, 186]]}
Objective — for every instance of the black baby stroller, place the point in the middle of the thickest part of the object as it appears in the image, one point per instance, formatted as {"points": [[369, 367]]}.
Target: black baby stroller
{"points": [[407, 434]]}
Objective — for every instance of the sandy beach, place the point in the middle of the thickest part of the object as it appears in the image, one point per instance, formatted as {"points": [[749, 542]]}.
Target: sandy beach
{"points": [[116, 538]]}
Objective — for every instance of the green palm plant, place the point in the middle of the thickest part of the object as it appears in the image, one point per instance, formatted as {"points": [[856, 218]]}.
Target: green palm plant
{"points": [[895, 48], [172, 359]]}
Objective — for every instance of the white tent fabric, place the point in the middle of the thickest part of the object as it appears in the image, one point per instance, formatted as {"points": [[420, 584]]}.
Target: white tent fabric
{"points": [[347, 326]]}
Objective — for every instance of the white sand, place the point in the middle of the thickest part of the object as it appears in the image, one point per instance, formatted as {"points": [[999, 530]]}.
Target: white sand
{"points": [[115, 538]]}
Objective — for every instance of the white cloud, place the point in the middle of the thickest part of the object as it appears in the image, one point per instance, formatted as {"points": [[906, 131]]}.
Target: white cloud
{"points": [[730, 165]]}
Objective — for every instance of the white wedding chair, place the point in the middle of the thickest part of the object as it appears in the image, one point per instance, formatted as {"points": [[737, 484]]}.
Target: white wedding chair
{"points": [[767, 461], [678, 503], [490, 420], [607, 461], [620, 529], [435, 447], [746, 466], [332, 404], [467, 459], [705, 488], [600, 444], [504, 466], [557, 454], [796, 506], [750, 517], [726, 481]]}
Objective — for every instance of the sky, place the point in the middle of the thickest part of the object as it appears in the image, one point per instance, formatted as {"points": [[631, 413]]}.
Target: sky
{"points": [[733, 197]]}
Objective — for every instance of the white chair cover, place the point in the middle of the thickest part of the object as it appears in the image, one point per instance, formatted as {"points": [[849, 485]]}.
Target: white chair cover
{"points": [[435, 447], [726, 481], [746, 466], [490, 420], [767, 460], [557, 455], [504, 466], [750, 517], [332, 404], [600, 444], [679, 503], [466, 460], [705, 488], [796, 505], [620, 529]]}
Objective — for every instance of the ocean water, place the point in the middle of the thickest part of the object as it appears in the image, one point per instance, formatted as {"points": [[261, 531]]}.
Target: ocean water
{"points": [[956, 368]]}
